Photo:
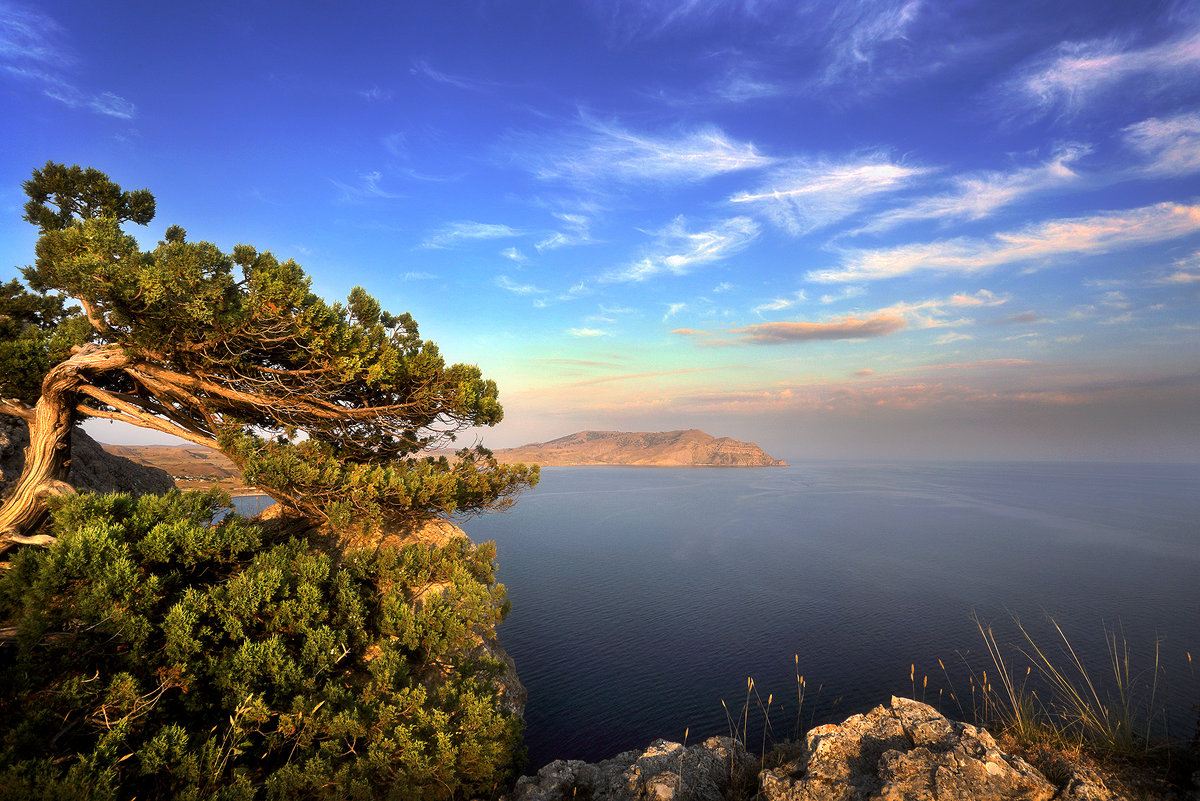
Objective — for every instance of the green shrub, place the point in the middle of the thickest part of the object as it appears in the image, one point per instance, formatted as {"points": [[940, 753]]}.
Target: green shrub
{"points": [[159, 656]]}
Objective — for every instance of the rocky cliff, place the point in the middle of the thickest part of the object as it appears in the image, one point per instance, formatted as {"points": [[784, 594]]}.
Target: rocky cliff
{"points": [[91, 467], [691, 448], [903, 751]]}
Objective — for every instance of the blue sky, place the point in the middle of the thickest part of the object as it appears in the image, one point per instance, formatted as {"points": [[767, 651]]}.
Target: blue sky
{"points": [[885, 229]]}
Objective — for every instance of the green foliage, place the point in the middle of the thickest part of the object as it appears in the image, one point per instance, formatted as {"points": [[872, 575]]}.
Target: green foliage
{"points": [[234, 349], [36, 332], [159, 656]]}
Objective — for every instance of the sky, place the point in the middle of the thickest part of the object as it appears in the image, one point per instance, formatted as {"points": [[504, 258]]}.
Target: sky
{"points": [[841, 229]]}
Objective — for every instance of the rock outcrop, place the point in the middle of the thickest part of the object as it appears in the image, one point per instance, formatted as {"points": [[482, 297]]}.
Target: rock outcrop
{"points": [[691, 448], [91, 467], [904, 751], [662, 772]]}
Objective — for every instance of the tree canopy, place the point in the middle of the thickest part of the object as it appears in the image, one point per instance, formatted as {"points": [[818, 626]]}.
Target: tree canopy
{"points": [[327, 408], [149, 651]]}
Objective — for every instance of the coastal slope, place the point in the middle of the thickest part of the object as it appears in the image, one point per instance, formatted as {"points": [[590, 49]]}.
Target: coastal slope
{"points": [[691, 448]]}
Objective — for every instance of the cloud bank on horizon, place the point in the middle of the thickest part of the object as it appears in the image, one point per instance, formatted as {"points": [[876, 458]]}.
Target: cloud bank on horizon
{"points": [[838, 228]]}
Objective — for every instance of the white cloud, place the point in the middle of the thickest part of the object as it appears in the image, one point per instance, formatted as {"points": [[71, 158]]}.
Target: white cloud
{"points": [[586, 332], [978, 195], [1171, 146], [504, 282], [418, 276], [779, 304], [1099, 233], [515, 255], [677, 250], [466, 230], [737, 86], [603, 151], [422, 68], [1076, 72], [933, 312], [846, 293], [673, 309], [375, 95], [576, 231], [724, 286], [368, 186], [32, 49], [952, 336], [807, 195], [860, 30]]}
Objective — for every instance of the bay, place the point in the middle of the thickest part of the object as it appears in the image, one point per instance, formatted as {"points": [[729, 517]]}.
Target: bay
{"points": [[644, 597]]}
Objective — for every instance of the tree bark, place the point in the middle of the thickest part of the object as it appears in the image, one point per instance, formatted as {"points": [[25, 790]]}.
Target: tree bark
{"points": [[49, 451]]}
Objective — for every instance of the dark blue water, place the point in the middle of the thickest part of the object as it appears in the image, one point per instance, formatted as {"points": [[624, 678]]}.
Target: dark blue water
{"points": [[643, 597]]}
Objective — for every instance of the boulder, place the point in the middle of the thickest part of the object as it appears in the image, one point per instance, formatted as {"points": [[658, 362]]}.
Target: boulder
{"points": [[904, 750], [663, 772]]}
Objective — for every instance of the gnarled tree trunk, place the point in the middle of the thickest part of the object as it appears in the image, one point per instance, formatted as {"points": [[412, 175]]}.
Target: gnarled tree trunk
{"points": [[49, 451]]}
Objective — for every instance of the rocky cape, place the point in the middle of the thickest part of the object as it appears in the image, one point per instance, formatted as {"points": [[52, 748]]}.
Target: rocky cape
{"points": [[691, 448], [902, 751]]}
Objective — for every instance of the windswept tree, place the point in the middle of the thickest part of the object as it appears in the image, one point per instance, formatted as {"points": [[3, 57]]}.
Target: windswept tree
{"points": [[148, 652], [326, 408]]}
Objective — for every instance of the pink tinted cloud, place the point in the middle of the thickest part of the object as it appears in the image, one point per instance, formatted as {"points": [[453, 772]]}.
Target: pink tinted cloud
{"points": [[777, 333]]}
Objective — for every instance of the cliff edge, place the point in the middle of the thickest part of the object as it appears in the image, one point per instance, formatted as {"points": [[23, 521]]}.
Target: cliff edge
{"points": [[691, 448]]}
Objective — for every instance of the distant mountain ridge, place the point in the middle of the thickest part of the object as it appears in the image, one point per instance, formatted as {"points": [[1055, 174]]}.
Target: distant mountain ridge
{"points": [[690, 448]]}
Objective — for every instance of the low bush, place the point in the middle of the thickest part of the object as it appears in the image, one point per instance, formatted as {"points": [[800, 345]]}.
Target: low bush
{"points": [[155, 655]]}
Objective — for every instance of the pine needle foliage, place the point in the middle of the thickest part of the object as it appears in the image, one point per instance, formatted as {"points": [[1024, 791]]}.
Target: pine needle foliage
{"points": [[330, 408], [160, 656]]}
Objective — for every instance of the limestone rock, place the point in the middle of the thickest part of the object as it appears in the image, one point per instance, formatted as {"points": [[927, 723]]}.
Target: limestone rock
{"points": [[91, 467], [905, 750], [665, 771]]}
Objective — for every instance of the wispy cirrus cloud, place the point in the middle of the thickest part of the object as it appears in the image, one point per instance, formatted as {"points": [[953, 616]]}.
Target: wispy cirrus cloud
{"points": [[1170, 145], [934, 312], [369, 186], [422, 69], [807, 195], [504, 282], [1076, 236], [1075, 73], [678, 250], [600, 152], [979, 195], [779, 304], [374, 94], [33, 49], [859, 31], [454, 233], [575, 230]]}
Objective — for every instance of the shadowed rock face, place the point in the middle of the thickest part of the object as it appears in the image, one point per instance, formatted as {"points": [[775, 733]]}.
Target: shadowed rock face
{"points": [[91, 467], [662, 772], [691, 448]]}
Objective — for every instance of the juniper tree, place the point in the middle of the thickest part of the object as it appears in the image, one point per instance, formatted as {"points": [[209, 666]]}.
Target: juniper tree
{"points": [[149, 652], [324, 407]]}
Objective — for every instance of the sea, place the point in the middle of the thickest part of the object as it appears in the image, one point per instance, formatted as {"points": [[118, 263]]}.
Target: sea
{"points": [[646, 600]]}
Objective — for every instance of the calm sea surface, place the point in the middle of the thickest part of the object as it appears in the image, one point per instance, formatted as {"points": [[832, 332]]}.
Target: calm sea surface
{"points": [[643, 597]]}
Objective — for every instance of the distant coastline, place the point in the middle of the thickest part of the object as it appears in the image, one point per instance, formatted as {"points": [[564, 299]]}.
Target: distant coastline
{"points": [[195, 467], [685, 448]]}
